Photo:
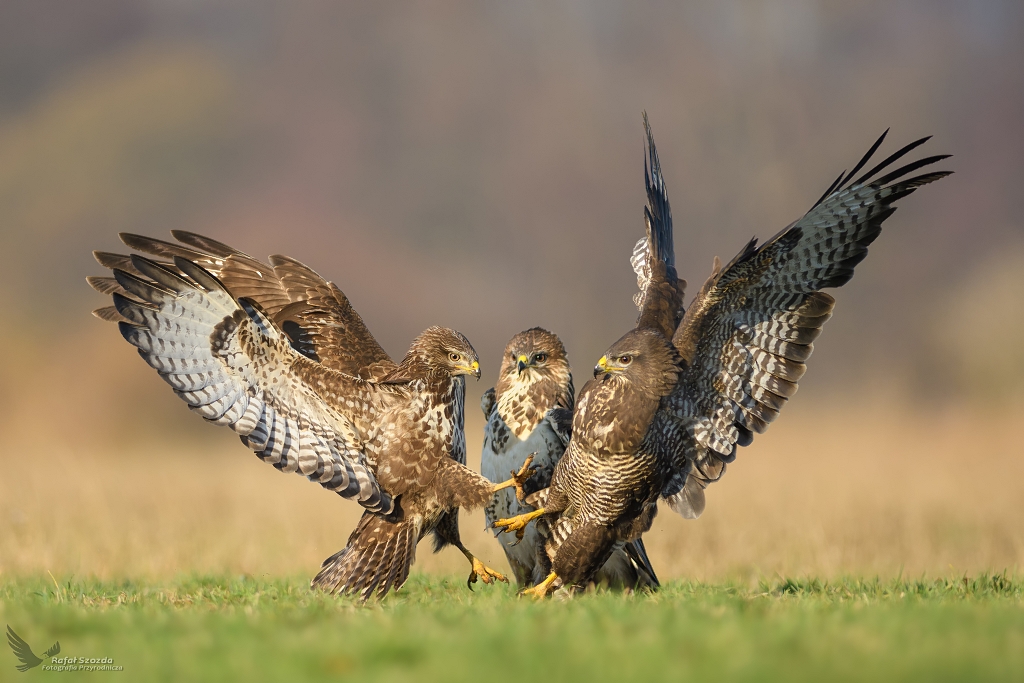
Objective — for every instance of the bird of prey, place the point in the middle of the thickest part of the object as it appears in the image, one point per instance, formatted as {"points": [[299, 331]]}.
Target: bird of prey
{"points": [[277, 353], [529, 413], [672, 399], [24, 653]]}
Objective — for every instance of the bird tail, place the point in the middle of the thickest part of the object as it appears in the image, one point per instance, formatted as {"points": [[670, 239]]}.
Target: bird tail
{"points": [[637, 554], [377, 558]]}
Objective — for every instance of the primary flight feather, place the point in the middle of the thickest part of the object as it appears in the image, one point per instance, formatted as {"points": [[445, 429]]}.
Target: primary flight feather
{"points": [[277, 354], [672, 399]]}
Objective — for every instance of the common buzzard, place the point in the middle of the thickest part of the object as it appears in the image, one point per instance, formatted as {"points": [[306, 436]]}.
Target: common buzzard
{"points": [[277, 353], [671, 400], [529, 412]]}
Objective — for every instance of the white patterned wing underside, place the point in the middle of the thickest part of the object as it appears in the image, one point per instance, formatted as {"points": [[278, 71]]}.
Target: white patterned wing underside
{"points": [[234, 367], [641, 262]]}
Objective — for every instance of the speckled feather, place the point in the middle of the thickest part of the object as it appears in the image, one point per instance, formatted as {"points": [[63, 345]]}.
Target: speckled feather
{"points": [[530, 412], [325, 401], [667, 421]]}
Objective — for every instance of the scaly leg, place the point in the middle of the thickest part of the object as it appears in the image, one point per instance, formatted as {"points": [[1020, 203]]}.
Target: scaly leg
{"points": [[542, 589], [518, 479], [518, 523], [479, 570]]}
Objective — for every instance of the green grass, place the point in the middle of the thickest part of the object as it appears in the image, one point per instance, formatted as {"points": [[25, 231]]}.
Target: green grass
{"points": [[224, 628]]}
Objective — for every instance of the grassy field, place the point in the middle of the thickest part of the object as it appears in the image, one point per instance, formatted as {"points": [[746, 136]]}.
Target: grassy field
{"points": [[774, 581], [221, 627]]}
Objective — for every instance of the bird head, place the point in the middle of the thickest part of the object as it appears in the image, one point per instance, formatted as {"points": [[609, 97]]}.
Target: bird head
{"points": [[642, 357], [448, 350], [533, 355]]}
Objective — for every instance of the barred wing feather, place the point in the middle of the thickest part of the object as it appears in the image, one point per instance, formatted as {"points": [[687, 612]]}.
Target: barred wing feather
{"points": [[749, 331], [313, 313], [660, 299], [233, 366]]}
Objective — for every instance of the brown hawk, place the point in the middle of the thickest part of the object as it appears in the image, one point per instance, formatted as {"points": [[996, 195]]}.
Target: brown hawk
{"points": [[671, 400], [277, 353], [529, 413]]}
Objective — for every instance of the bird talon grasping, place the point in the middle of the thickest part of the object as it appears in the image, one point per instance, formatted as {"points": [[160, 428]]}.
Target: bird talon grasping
{"points": [[519, 478], [517, 523]]}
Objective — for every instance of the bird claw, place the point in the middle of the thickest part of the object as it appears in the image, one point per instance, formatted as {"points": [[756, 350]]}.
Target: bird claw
{"points": [[542, 589], [484, 573], [520, 478], [516, 524]]}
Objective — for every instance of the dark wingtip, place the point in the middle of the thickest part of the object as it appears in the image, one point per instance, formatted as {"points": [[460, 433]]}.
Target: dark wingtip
{"points": [[892, 159], [865, 158]]}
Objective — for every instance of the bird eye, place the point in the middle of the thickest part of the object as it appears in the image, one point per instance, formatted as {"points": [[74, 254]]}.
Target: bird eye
{"points": [[454, 357], [540, 358], [625, 360]]}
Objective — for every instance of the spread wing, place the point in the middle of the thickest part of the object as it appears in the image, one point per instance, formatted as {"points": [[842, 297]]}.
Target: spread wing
{"points": [[22, 651], [660, 299], [234, 366], [313, 313], [748, 333]]}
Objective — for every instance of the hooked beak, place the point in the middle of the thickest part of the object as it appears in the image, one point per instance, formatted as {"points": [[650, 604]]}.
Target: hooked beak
{"points": [[523, 363], [469, 369], [602, 367]]}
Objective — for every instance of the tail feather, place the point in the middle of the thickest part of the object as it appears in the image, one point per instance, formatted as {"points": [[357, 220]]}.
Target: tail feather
{"points": [[637, 554], [377, 558]]}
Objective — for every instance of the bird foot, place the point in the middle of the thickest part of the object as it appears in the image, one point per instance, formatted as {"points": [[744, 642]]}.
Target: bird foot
{"points": [[517, 523], [519, 478], [484, 573], [542, 589]]}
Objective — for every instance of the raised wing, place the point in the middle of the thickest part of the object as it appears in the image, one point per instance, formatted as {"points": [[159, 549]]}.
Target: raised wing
{"points": [[660, 299], [235, 367], [748, 333], [315, 315]]}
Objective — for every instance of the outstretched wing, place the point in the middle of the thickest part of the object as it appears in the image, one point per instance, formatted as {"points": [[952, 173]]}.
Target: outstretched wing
{"points": [[748, 333], [315, 315], [53, 651], [660, 299], [234, 366], [22, 651]]}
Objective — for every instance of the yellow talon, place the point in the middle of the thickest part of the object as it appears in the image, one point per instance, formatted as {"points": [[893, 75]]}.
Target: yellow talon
{"points": [[484, 573], [542, 589], [479, 570], [517, 523], [518, 479]]}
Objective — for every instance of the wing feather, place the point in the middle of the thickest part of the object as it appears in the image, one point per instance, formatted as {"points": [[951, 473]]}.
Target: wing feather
{"points": [[234, 366], [660, 299], [747, 335], [314, 314]]}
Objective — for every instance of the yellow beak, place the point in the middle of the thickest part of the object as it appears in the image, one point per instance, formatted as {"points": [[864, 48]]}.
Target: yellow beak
{"points": [[524, 362], [475, 367], [602, 366]]}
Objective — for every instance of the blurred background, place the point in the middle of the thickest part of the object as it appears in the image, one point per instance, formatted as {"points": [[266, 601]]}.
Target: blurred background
{"points": [[479, 165]]}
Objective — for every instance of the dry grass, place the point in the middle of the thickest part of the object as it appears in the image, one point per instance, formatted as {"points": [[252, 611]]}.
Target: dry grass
{"points": [[827, 492]]}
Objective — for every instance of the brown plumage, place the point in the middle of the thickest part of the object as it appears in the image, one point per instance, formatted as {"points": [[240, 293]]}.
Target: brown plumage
{"points": [[279, 355], [529, 412], [672, 399]]}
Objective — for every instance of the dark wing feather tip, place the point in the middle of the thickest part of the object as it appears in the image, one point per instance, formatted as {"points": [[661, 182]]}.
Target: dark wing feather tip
{"points": [[750, 329]]}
